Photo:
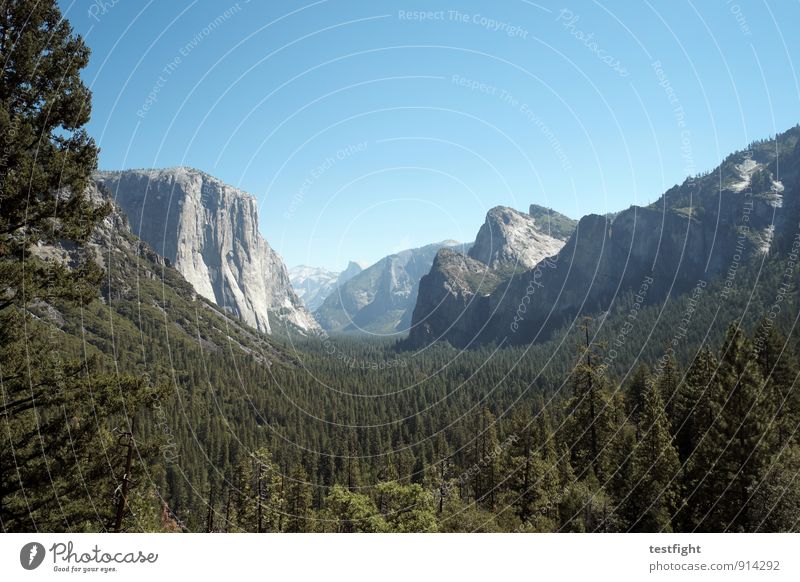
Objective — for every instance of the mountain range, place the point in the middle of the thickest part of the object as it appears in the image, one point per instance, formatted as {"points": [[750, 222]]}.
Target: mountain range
{"points": [[526, 275], [698, 231]]}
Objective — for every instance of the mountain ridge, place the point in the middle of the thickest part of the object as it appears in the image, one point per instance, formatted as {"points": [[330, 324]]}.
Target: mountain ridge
{"points": [[695, 231]]}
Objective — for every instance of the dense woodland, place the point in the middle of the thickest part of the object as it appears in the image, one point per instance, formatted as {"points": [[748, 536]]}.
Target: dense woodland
{"points": [[130, 404]]}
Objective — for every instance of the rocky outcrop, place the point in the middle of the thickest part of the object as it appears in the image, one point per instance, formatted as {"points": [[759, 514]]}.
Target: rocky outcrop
{"points": [[453, 299], [381, 298], [209, 231], [512, 241]]}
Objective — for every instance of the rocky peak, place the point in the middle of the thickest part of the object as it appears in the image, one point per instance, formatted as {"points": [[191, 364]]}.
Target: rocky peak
{"points": [[353, 269], [209, 231], [512, 240]]}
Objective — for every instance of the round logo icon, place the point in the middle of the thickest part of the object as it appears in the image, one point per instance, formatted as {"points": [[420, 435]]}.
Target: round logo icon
{"points": [[31, 555]]}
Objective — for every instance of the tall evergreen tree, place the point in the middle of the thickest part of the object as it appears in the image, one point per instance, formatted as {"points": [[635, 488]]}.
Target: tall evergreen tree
{"points": [[48, 157], [654, 496], [298, 501], [58, 410], [590, 423]]}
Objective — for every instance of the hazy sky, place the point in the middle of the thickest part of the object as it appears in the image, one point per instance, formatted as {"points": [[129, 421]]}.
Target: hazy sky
{"points": [[364, 127]]}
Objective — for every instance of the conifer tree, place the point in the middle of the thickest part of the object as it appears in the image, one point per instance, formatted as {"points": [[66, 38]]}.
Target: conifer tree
{"points": [[775, 503], [486, 467], [634, 399], [691, 415], [591, 421], [668, 385], [48, 157], [654, 496], [298, 501], [59, 410]]}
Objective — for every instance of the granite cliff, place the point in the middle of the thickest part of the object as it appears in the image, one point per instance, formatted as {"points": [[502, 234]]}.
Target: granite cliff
{"points": [[209, 232]]}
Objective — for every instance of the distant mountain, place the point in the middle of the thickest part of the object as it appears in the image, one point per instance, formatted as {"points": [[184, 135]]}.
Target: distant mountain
{"points": [[209, 231], [381, 298], [314, 284], [701, 230], [353, 269]]}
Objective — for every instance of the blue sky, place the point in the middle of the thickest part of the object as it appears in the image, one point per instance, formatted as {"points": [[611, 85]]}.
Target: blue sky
{"points": [[365, 127]]}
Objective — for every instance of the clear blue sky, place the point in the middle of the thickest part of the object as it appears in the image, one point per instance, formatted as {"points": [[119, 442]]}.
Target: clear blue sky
{"points": [[363, 129]]}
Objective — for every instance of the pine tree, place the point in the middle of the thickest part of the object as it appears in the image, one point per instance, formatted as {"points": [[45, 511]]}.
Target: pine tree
{"points": [[696, 408], [58, 410], [530, 479], [654, 496], [48, 157], [591, 415], [691, 414], [668, 386], [775, 503], [591, 423], [298, 501], [634, 399], [486, 462], [270, 504]]}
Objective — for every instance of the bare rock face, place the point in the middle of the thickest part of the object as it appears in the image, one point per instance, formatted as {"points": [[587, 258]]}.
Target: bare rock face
{"points": [[512, 240], [453, 300], [353, 269], [209, 231]]}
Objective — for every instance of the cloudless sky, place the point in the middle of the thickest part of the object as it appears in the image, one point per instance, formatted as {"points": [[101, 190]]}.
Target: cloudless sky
{"points": [[363, 129]]}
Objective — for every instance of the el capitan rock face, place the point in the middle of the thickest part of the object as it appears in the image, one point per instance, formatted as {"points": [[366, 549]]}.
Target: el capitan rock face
{"points": [[209, 231]]}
